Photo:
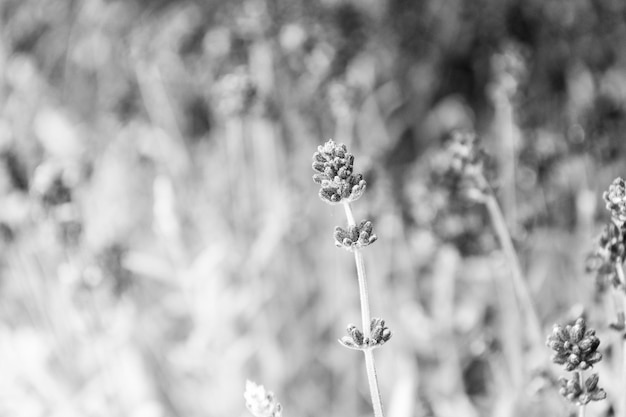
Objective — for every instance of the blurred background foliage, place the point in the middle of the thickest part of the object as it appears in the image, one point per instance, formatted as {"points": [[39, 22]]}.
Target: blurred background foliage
{"points": [[162, 240]]}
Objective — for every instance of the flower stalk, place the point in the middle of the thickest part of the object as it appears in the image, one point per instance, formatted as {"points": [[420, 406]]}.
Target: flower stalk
{"points": [[581, 407], [339, 184], [609, 259], [366, 320], [521, 287], [463, 169]]}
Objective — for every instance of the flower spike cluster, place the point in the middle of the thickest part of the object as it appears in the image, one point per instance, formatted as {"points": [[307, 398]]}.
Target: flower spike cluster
{"points": [[575, 347], [380, 334], [461, 165], [465, 153], [610, 252], [334, 172], [335, 175], [355, 236], [581, 395]]}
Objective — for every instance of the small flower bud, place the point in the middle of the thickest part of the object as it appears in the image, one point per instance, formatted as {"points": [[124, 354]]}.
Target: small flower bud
{"points": [[577, 331], [597, 395], [356, 334], [380, 333], [615, 198], [592, 382], [347, 341]]}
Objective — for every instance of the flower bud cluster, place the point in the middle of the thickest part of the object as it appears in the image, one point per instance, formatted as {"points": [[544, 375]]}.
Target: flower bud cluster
{"points": [[464, 152], [260, 402], [235, 93], [611, 243], [355, 236], [574, 346], [51, 186], [379, 335], [461, 165], [572, 390], [615, 199], [335, 174], [610, 250]]}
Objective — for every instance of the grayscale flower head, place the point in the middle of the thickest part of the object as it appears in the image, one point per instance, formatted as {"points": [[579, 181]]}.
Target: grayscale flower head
{"points": [[334, 173], [575, 346]]}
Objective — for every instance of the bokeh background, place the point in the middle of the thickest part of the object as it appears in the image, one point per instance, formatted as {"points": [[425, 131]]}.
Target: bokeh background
{"points": [[162, 240]]}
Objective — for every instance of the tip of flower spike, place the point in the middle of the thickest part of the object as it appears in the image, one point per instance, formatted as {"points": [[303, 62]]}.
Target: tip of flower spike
{"points": [[460, 166], [574, 346], [335, 175]]}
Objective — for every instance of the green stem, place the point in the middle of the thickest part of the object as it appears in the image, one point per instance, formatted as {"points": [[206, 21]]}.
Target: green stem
{"points": [[366, 320]]}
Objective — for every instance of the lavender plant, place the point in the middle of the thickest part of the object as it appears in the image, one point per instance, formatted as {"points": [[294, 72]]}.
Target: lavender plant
{"points": [[607, 261], [339, 184], [576, 348], [462, 167], [609, 254]]}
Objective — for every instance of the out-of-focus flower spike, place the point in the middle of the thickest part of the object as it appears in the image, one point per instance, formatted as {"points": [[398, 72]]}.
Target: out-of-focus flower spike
{"points": [[260, 402]]}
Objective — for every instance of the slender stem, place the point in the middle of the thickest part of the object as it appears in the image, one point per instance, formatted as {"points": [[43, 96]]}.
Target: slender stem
{"points": [[349, 215], [581, 381], [366, 320], [618, 307], [521, 287], [373, 383], [620, 274]]}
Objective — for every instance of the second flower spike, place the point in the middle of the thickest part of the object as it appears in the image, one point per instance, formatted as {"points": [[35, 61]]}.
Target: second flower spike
{"points": [[379, 335], [355, 236]]}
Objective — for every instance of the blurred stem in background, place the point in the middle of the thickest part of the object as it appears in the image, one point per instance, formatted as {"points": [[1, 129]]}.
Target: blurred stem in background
{"points": [[508, 68], [521, 286]]}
